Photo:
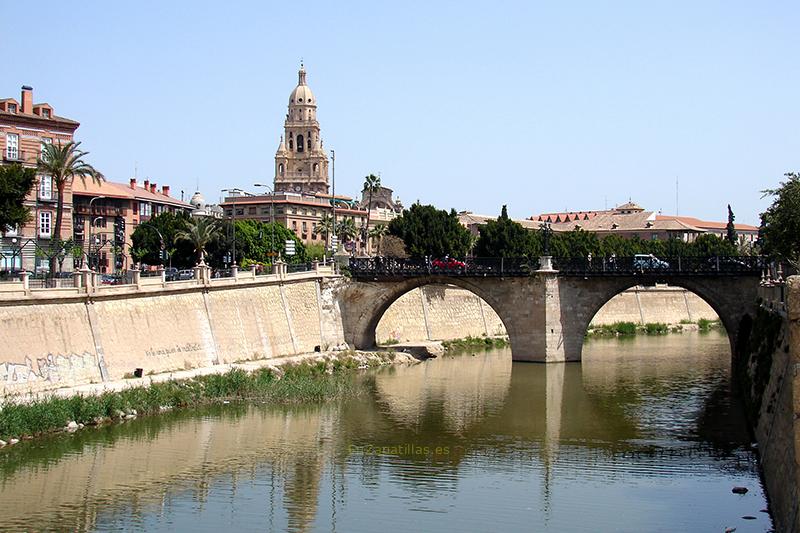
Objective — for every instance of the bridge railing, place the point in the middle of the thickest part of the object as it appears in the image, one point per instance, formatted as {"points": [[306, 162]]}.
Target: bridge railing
{"points": [[365, 267], [651, 265], [376, 267]]}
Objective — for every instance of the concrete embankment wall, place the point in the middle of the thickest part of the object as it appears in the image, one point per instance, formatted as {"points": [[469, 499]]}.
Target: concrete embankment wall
{"points": [[441, 312], [767, 366], [68, 342]]}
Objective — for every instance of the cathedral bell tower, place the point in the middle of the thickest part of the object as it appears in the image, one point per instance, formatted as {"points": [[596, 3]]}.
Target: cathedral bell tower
{"points": [[301, 164]]}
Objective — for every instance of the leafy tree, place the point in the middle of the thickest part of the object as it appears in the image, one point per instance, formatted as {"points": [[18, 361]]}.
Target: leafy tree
{"points": [[426, 230], [709, 245], [372, 183], [503, 238], [324, 227], [730, 228], [346, 229], [780, 223], [199, 232], [378, 233], [255, 242], [146, 239], [16, 182], [63, 163], [391, 246]]}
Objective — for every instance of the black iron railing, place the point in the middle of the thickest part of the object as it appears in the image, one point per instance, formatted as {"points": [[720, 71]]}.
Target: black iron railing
{"points": [[384, 267]]}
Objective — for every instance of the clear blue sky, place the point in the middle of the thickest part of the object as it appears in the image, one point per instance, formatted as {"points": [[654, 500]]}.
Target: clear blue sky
{"points": [[467, 105]]}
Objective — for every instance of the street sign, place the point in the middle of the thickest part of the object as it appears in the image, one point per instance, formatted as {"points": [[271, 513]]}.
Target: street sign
{"points": [[289, 247], [334, 242]]}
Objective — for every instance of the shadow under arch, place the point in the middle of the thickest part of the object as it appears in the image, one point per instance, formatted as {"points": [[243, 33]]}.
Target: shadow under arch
{"points": [[373, 299], [733, 299]]}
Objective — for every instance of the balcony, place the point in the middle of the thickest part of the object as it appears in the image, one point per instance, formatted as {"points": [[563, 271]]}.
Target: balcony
{"points": [[99, 210], [19, 156], [52, 197]]}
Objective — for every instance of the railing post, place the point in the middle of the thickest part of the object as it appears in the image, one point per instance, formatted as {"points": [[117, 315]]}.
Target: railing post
{"points": [[679, 264], [26, 284], [502, 265], [254, 270]]}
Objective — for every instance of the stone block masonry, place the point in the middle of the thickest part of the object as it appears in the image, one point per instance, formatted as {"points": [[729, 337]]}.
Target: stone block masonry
{"points": [[444, 312], [66, 342]]}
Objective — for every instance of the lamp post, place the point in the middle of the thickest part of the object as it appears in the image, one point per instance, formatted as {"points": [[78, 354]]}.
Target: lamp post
{"points": [[271, 219], [91, 223], [233, 221], [333, 162]]}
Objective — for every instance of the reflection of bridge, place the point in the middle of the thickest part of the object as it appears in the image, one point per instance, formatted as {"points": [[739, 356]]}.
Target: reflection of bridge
{"points": [[546, 311]]}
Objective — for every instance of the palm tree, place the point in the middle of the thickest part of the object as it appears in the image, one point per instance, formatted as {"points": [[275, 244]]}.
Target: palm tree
{"points": [[324, 226], [63, 163], [200, 232], [346, 229], [372, 183], [378, 232]]}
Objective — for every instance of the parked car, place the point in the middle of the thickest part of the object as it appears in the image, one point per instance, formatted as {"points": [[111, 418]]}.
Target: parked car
{"points": [[644, 262], [108, 279], [186, 274], [170, 274], [448, 263], [726, 263]]}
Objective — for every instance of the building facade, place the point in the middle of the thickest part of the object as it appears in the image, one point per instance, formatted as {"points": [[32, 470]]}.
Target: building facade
{"points": [[106, 214], [25, 127]]}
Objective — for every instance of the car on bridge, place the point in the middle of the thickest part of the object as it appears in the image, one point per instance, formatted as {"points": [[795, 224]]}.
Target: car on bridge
{"points": [[448, 263], [643, 262]]}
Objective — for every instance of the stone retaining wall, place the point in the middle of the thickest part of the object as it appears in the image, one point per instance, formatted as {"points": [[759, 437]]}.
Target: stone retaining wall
{"points": [[49, 344], [767, 364], [442, 312]]}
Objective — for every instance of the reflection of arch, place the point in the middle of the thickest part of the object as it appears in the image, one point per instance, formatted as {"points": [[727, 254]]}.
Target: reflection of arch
{"points": [[731, 298]]}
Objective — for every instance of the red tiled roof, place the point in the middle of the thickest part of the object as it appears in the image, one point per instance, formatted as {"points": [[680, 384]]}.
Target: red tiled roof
{"points": [[112, 189], [704, 224]]}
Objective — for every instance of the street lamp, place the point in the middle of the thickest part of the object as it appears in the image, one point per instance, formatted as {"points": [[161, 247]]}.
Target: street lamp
{"points": [[333, 162], [271, 219], [233, 220], [91, 224]]}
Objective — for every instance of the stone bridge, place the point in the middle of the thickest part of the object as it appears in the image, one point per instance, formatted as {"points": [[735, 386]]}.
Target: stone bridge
{"points": [[546, 312]]}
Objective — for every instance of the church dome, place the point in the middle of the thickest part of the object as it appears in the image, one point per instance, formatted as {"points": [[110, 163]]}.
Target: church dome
{"points": [[302, 93], [198, 201]]}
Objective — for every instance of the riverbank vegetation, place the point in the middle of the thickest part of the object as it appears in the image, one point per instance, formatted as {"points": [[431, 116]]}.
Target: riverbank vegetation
{"points": [[309, 382], [629, 329], [474, 343]]}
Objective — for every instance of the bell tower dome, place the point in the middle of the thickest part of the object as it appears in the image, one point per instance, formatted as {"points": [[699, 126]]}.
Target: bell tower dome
{"points": [[301, 164]]}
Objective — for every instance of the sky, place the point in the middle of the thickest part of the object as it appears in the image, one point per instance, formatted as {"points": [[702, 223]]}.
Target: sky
{"points": [[466, 105]]}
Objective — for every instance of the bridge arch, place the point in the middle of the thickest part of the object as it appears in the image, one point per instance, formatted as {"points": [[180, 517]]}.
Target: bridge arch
{"points": [[733, 299], [369, 301]]}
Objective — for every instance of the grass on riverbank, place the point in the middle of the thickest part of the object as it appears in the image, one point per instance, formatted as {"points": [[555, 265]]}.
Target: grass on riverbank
{"points": [[302, 382], [627, 329], [474, 343]]}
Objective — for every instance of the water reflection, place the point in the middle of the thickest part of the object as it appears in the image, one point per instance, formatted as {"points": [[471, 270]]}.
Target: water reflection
{"points": [[641, 436]]}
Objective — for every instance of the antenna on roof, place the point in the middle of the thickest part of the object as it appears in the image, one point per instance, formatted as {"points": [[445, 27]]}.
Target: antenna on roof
{"points": [[135, 169], [677, 212]]}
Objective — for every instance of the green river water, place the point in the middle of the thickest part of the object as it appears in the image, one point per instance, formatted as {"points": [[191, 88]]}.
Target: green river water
{"points": [[643, 435]]}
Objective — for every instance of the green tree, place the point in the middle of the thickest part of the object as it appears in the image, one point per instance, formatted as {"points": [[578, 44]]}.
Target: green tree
{"points": [[63, 163], [146, 239], [709, 245], [780, 223], [378, 233], [324, 227], [372, 183], [16, 182], [346, 229], [255, 243], [426, 230], [730, 228], [503, 238], [199, 232]]}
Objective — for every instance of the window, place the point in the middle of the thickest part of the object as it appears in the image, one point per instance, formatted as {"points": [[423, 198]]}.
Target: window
{"points": [[46, 113], [45, 227], [291, 145], [46, 141], [300, 144], [280, 169], [145, 209], [239, 211], [12, 108], [12, 146], [654, 236], [251, 210], [45, 188]]}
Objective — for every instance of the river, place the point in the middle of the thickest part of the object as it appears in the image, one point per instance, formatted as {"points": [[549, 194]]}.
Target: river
{"points": [[642, 436]]}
